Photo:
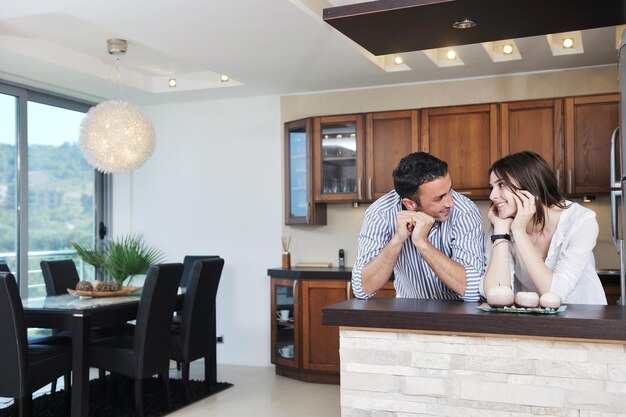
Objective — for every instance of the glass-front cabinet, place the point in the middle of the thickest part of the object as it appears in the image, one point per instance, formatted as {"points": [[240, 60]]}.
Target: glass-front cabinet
{"points": [[299, 205], [284, 319], [339, 159]]}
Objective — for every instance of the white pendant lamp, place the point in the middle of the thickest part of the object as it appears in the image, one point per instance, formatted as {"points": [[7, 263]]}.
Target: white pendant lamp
{"points": [[116, 136]]}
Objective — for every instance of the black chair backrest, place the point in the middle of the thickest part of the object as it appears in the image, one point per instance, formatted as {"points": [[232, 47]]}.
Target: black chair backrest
{"points": [[4, 267], [13, 343], [59, 276], [198, 306], [151, 342], [188, 262]]}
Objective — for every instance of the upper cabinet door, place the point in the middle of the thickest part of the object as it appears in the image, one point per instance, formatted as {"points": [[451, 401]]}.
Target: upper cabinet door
{"points": [[534, 125], [338, 158], [390, 136], [466, 137], [299, 205], [589, 123]]}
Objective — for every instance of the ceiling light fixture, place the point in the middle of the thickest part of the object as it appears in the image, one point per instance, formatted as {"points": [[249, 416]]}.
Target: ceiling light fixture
{"points": [[507, 49], [116, 136], [464, 24], [398, 60], [224, 78], [172, 82], [451, 54], [568, 43]]}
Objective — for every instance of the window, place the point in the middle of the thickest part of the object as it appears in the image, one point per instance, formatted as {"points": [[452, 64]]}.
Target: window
{"points": [[49, 195]]}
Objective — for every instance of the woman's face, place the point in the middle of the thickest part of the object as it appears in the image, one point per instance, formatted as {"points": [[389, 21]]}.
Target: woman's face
{"points": [[502, 197]]}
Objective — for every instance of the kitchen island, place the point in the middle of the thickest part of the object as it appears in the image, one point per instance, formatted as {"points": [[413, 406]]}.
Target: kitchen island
{"points": [[445, 358]]}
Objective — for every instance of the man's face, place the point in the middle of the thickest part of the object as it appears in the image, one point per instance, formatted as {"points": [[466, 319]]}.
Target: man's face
{"points": [[435, 199]]}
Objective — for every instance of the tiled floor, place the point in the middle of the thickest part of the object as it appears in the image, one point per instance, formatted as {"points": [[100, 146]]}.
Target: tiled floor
{"points": [[258, 392]]}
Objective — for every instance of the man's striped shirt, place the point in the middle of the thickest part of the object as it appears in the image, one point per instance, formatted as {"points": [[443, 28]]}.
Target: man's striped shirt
{"points": [[460, 238]]}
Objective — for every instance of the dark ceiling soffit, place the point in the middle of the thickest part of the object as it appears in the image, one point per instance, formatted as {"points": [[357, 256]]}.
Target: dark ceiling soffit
{"points": [[393, 26]]}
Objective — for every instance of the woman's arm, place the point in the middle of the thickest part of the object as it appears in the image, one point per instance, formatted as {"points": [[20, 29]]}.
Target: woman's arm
{"points": [[499, 266]]}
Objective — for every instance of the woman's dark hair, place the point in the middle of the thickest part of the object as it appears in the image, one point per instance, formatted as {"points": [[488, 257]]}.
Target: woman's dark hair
{"points": [[529, 171], [414, 170]]}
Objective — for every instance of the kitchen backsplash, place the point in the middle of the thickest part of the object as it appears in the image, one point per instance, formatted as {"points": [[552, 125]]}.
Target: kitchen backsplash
{"points": [[322, 243]]}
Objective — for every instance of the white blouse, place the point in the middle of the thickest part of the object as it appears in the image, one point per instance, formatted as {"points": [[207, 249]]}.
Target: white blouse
{"points": [[570, 258]]}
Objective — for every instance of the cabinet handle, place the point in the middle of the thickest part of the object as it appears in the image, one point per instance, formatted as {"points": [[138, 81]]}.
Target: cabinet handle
{"points": [[569, 181], [558, 177], [293, 289], [349, 289], [369, 188], [465, 192], [358, 189], [308, 212]]}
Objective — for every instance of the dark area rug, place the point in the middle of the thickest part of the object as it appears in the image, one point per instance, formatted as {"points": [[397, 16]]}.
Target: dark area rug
{"points": [[121, 403]]}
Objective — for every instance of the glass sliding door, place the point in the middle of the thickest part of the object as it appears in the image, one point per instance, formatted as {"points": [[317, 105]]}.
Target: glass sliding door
{"points": [[49, 195], [60, 190], [8, 180]]}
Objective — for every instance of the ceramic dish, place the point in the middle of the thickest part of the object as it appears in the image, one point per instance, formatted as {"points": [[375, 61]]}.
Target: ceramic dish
{"points": [[123, 291], [538, 310]]}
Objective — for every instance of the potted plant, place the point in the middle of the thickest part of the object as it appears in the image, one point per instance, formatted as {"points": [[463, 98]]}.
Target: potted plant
{"points": [[121, 258], [129, 256]]}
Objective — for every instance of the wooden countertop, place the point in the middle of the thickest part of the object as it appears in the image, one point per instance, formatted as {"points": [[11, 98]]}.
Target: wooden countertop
{"points": [[586, 322], [311, 273]]}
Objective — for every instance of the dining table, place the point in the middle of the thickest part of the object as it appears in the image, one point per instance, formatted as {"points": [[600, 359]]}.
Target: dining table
{"points": [[81, 314]]}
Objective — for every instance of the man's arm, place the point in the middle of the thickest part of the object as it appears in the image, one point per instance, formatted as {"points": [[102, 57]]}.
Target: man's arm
{"points": [[449, 271], [377, 271]]}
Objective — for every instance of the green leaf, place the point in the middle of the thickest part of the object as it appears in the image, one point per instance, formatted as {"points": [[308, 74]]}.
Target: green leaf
{"points": [[129, 255]]}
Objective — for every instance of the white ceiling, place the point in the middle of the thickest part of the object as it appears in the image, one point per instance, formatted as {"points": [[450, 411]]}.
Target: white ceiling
{"points": [[267, 47]]}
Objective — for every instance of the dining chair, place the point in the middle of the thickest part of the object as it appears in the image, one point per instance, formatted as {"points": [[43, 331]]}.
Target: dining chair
{"points": [[54, 339], [188, 262], [191, 340], [25, 367], [147, 351], [59, 276]]}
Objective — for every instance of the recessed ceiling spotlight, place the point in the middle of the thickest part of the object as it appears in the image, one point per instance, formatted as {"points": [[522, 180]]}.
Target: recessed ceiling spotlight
{"points": [[451, 54], [464, 24], [567, 43], [224, 78], [398, 60], [172, 82], [507, 49]]}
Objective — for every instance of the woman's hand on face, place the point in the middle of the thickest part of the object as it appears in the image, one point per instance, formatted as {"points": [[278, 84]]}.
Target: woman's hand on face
{"points": [[526, 209], [499, 225]]}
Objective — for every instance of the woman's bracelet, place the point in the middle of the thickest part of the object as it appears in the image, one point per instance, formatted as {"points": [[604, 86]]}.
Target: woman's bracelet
{"points": [[499, 242]]}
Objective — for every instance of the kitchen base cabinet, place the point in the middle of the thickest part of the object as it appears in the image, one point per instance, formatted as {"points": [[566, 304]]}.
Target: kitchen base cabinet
{"points": [[302, 347]]}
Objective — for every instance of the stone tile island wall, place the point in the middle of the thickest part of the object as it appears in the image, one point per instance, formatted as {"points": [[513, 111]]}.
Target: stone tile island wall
{"points": [[405, 374]]}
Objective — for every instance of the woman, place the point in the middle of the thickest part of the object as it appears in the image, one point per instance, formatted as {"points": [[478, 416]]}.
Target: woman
{"points": [[539, 241]]}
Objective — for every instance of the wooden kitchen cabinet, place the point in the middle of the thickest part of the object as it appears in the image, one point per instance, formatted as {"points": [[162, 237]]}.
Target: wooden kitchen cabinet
{"points": [[534, 125], [300, 207], [303, 348], [389, 137], [466, 137], [589, 122], [339, 161]]}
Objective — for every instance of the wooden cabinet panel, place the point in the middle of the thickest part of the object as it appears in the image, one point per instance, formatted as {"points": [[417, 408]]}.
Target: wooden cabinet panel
{"points": [[320, 343], [589, 123], [339, 160], [466, 138], [390, 136], [534, 125], [300, 207]]}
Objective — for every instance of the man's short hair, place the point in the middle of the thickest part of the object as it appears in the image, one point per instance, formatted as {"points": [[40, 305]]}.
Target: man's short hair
{"points": [[416, 169]]}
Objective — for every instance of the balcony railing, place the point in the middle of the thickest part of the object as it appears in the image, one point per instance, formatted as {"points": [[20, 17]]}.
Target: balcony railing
{"points": [[36, 286]]}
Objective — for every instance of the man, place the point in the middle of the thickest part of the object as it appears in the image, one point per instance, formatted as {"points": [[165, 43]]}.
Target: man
{"points": [[428, 235]]}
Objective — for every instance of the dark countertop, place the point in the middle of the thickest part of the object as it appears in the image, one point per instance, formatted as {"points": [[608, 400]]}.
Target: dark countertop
{"points": [[577, 322], [311, 273]]}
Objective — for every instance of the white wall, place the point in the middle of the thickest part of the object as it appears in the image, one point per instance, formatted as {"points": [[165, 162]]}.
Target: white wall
{"points": [[213, 186]]}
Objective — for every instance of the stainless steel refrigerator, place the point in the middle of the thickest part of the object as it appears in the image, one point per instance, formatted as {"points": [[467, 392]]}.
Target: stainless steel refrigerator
{"points": [[618, 173]]}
